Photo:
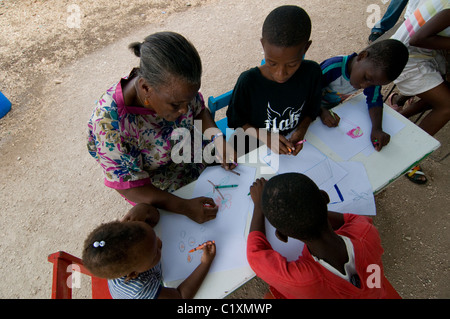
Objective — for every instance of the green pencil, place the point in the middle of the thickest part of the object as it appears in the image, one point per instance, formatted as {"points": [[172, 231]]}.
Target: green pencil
{"points": [[225, 186]]}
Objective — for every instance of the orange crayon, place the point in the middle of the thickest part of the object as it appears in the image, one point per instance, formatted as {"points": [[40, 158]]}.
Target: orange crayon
{"points": [[202, 246]]}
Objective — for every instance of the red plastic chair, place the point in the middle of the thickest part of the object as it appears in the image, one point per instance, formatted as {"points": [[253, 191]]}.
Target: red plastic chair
{"points": [[60, 290]]}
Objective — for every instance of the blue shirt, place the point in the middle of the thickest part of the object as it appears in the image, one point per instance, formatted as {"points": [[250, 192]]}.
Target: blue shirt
{"points": [[146, 286], [336, 85]]}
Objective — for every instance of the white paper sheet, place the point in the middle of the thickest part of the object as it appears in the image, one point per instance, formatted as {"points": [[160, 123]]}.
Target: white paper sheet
{"points": [[180, 234], [352, 135], [356, 194], [311, 162]]}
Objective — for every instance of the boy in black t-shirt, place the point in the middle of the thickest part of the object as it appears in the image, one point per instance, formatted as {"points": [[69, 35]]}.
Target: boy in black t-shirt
{"points": [[283, 95]]}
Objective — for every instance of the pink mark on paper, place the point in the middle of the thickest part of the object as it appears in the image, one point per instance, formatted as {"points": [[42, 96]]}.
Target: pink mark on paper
{"points": [[223, 202], [355, 132]]}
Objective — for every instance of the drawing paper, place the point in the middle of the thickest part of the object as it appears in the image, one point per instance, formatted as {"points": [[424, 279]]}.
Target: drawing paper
{"points": [[352, 135], [180, 234]]}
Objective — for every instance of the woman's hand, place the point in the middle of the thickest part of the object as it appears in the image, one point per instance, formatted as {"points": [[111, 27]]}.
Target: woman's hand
{"points": [[225, 153], [201, 209]]}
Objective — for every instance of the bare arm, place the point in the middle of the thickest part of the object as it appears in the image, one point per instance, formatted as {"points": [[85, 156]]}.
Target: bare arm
{"points": [[225, 152], [192, 208], [378, 137], [189, 287], [258, 220], [427, 36]]}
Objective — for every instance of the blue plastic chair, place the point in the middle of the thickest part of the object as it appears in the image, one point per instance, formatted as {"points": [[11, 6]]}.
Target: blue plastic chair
{"points": [[5, 105], [217, 103]]}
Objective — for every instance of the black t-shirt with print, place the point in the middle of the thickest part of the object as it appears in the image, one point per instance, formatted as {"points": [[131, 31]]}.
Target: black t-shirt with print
{"points": [[277, 107]]}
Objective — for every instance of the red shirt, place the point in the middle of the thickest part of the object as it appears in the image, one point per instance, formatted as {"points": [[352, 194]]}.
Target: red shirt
{"points": [[306, 278]]}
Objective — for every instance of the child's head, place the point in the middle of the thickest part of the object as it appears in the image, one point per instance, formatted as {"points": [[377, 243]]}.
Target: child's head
{"points": [[285, 40], [118, 249], [295, 206], [379, 64], [170, 72]]}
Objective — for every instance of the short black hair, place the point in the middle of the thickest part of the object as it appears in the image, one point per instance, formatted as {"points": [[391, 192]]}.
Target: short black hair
{"points": [[295, 206], [287, 26], [390, 55]]}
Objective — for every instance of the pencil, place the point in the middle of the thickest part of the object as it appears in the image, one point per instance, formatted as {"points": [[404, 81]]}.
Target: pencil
{"points": [[225, 186], [235, 172], [300, 142], [332, 114], [201, 246]]}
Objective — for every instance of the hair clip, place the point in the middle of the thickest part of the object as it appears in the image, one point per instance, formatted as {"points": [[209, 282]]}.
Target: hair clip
{"points": [[99, 243]]}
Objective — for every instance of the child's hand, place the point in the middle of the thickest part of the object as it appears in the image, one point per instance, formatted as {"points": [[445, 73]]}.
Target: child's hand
{"points": [[329, 119], [201, 209], [283, 143], [256, 190], [209, 252], [144, 213], [296, 137], [379, 139], [286, 146]]}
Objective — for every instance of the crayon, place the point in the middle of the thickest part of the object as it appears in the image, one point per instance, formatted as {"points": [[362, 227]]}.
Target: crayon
{"points": [[225, 186], [201, 246], [300, 142]]}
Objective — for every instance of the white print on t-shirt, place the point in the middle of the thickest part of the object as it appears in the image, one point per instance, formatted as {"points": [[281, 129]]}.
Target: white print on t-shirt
{"points": [[274, 122]]}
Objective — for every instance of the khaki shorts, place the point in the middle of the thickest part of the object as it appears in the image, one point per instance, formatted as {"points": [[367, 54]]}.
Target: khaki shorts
{"points": [[421, 74]]}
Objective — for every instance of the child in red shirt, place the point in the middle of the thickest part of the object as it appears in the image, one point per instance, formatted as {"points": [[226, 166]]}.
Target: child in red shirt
{"points": [[342, 253]]}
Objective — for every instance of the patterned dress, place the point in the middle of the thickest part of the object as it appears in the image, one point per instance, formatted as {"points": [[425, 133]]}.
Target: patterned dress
{"points": [[133, 144]]}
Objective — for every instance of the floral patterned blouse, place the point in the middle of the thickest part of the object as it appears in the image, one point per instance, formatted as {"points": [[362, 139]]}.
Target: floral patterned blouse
{"points": [[133, 144]]}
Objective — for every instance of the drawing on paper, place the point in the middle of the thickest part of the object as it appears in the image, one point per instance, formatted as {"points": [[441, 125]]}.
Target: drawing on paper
{"points": [[359, 196], [355, 132], [223, 202], [220, 199]]}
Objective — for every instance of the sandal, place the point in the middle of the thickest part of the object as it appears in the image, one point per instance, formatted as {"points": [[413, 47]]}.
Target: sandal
{"points": [[374, 36], [416, 175], [391, 104]]}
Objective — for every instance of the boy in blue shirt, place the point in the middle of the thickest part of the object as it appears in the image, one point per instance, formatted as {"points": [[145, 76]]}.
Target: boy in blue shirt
{"points": [[377, 65]]}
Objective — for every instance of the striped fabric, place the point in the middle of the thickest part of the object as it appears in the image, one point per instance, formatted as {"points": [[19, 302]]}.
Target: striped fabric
{"points": [[146, 286], [420, 16]]}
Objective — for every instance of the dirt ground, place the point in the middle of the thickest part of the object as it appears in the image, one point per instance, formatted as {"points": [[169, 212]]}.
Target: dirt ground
{"points": [[51, 192]]}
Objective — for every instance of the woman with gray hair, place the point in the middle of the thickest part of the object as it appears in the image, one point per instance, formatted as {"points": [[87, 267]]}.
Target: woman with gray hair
{"points": [[133, 124]]}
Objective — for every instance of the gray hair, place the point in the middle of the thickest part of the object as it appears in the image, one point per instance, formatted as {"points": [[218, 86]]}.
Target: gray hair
{"points": [[166, 54]]}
